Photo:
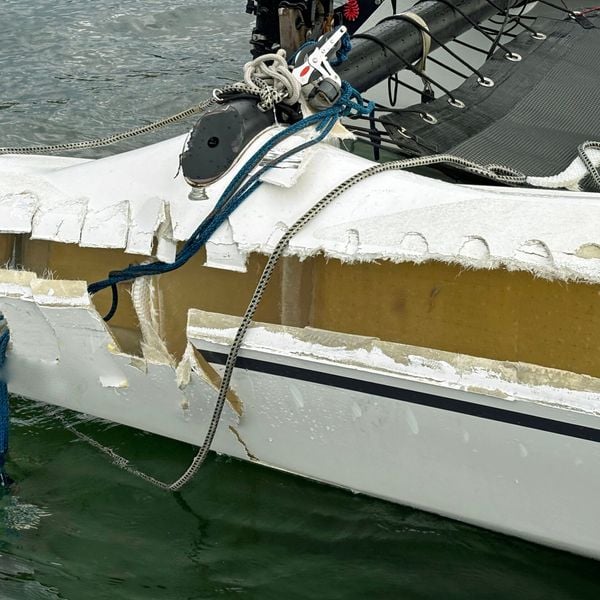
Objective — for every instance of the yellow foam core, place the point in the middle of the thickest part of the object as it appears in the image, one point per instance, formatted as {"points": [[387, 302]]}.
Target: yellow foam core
{"points": [[494, 314]]}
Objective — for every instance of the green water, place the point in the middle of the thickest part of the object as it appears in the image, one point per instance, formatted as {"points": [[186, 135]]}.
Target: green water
{"points": [[77, 527]]}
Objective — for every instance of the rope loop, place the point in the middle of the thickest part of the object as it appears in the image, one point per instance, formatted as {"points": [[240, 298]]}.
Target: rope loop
{"points": [[270, 78], [342, 53], [351, 103], [583, 152]]}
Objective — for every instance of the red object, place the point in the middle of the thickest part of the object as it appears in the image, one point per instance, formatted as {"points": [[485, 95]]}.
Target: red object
{"points": [[304, 71], [351, 10]]}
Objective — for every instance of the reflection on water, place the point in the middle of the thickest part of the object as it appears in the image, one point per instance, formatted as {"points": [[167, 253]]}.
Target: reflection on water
{"points": [[18, 516]]}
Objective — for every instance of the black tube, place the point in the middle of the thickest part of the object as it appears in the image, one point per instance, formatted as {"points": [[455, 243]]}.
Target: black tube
{"points": [[369, 63]]}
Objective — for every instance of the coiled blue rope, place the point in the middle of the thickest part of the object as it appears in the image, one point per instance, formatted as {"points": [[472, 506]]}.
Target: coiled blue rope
{"points": [[241, 186], [5, 480]]}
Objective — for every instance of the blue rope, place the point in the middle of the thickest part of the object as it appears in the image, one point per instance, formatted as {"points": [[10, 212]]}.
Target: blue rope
{"points": [[241, 186], [5, 480], [342, 53]]}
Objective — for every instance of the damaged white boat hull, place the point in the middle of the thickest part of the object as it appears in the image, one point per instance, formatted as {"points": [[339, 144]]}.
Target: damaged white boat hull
{"points": [[473, 439], [510, 446]]}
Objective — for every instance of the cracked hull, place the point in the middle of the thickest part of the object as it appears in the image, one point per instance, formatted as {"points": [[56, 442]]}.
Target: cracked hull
{"points": [[63, 354], [479, 440], [444, 273]]}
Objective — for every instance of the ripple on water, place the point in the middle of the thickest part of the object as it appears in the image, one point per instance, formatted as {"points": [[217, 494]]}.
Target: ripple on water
{"points": [[20, 516], [115, 65]]}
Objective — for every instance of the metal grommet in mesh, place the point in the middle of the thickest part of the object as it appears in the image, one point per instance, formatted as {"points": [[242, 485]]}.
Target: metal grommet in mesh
{"points": [[513, 56], [485, 82], [428, 118], [538, 35], [403, 133], [456, 103]]}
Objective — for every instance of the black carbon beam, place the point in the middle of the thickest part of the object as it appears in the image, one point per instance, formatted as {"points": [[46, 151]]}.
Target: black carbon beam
{"points": [[370, 63]]}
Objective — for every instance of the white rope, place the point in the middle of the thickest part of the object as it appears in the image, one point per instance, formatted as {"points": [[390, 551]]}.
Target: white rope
{"points": [[269, 77], [425, 38], [425, 45], [587, 163]]}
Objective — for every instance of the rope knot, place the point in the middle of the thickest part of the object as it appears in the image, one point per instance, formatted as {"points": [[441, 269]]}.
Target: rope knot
{"points": [[270, 78], [352, 103]]}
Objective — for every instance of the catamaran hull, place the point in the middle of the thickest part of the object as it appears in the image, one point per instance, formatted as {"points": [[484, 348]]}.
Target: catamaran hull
{"points": [[516, 471], [458, 436], [510, 446]]}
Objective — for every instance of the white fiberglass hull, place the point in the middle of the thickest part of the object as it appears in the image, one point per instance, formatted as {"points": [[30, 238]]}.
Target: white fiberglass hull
{"points": [[458, 436], [507, 446]]}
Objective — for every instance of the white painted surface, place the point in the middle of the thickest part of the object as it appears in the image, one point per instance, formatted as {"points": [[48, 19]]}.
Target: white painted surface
{"points": [[61, 353], [537, 485], [506, 380]]}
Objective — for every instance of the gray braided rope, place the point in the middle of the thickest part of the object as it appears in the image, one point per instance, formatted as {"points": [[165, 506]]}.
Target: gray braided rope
{"points": [[116, 459], [111, 139], [273, 83], [306, 218], [272, 263]]}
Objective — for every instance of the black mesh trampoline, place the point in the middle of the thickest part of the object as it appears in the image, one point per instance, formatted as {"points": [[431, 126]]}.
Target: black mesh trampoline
{"points": [[533, 118]]}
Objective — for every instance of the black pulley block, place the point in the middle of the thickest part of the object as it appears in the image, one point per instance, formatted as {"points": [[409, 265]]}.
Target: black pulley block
{"points": [[219, 137]]}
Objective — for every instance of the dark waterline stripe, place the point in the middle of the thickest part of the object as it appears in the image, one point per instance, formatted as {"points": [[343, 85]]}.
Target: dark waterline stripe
{"points": [[413, 397]]}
